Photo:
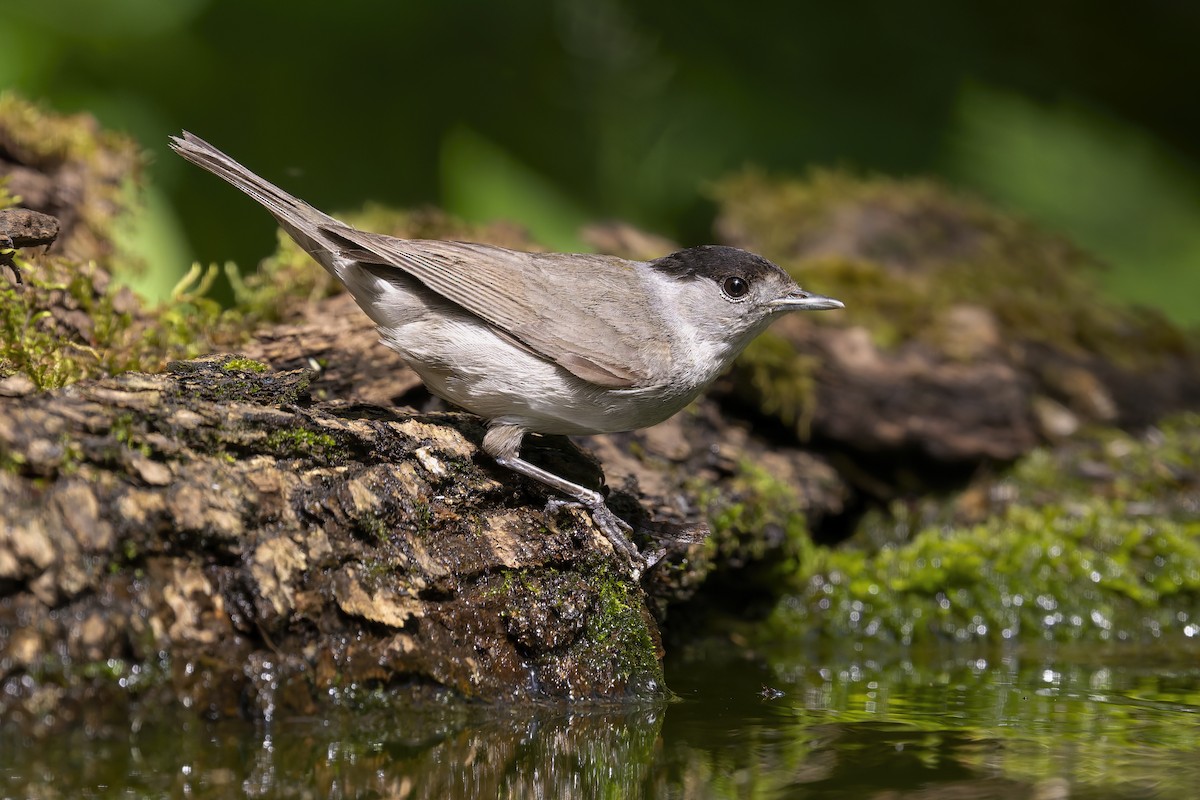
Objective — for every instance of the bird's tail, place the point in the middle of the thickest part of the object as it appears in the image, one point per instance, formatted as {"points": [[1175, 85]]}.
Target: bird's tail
{"points": [[308, 226]]}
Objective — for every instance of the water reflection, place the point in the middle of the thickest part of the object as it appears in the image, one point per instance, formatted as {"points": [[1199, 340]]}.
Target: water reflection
{"points": [[945, 727], [443, 752], [972, 728]]}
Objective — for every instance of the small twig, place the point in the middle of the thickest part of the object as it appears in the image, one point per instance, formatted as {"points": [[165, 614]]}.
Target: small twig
{"points": [[6, 258], [21, 227]]}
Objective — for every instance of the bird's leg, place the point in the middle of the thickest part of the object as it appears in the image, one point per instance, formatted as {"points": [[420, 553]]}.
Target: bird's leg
{"points": [[503, 443]]}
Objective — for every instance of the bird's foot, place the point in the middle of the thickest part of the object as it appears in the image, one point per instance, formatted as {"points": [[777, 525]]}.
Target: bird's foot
{"points": [[617, 531]]}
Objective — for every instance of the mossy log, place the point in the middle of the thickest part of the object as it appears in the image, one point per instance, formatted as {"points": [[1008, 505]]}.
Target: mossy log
{"points": [[970, 336], [216, 534], [268, 551]]}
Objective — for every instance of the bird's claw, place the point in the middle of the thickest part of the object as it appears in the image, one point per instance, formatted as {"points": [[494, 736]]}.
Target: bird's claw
{"points": [[616, 530]]}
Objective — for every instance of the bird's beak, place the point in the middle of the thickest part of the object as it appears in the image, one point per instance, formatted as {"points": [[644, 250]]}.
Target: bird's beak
{"points": [[800, 300]]}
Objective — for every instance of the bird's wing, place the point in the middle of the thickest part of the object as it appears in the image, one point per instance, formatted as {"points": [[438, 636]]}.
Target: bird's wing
{"points": [[579, 312]]}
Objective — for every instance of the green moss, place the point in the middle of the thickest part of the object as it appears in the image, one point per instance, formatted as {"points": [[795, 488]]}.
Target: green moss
{"points": [[422, 516], [302, 443], [379, 573], [207, 378], [44, 137], [11, 461], [118, 336], [374, 527], [620, 627], [757, 519], [124, 431], [1155, 473], [1066, 558], [501, 584], [1061, 574], [27, 347], [72, 457], [128, 677], [111, 670], [616, 643], [102, 167], [70, 321], [242, 364], [781, 381], [7, 199]]}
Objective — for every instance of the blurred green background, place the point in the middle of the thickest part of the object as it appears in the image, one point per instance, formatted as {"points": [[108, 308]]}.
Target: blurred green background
{"points": [[556, 112]]}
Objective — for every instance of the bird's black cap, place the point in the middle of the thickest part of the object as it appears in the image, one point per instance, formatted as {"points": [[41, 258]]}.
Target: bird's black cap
{"points": [[715, 262]]}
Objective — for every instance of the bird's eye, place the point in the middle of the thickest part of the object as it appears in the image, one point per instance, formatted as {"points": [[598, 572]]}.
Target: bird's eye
{"points": [[734, 287]]}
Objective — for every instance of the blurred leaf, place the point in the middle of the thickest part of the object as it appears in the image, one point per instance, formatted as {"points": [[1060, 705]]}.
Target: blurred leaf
{"points": [[86, 19], [481, 183], [1112, 187], [155, 240]]}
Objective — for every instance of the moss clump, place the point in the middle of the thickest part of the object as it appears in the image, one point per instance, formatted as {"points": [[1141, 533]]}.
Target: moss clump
{"points": [[1060, 574], [620, 626], [42, 138], [1156, 474], [101, 167], [124, 430], [903, 252], [373, 527], [30, 344], [302, 443], [1067, 558], [782, 380], [243, 364], [69, 320], [758, 528], [589, 625]]}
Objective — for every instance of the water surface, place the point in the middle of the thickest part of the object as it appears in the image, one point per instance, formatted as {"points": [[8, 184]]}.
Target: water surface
{"points": [[746, 725]]}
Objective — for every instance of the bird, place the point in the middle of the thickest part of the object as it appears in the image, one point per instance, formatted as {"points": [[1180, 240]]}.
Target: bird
{"points": [[544, 343]]}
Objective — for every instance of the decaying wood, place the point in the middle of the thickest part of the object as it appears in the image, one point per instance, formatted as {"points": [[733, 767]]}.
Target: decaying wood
{"points": [[212, 523], [22, 227], [208, 516]]}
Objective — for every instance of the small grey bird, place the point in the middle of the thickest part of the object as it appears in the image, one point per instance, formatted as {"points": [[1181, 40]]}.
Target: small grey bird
{"points": [[545, 342]]}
